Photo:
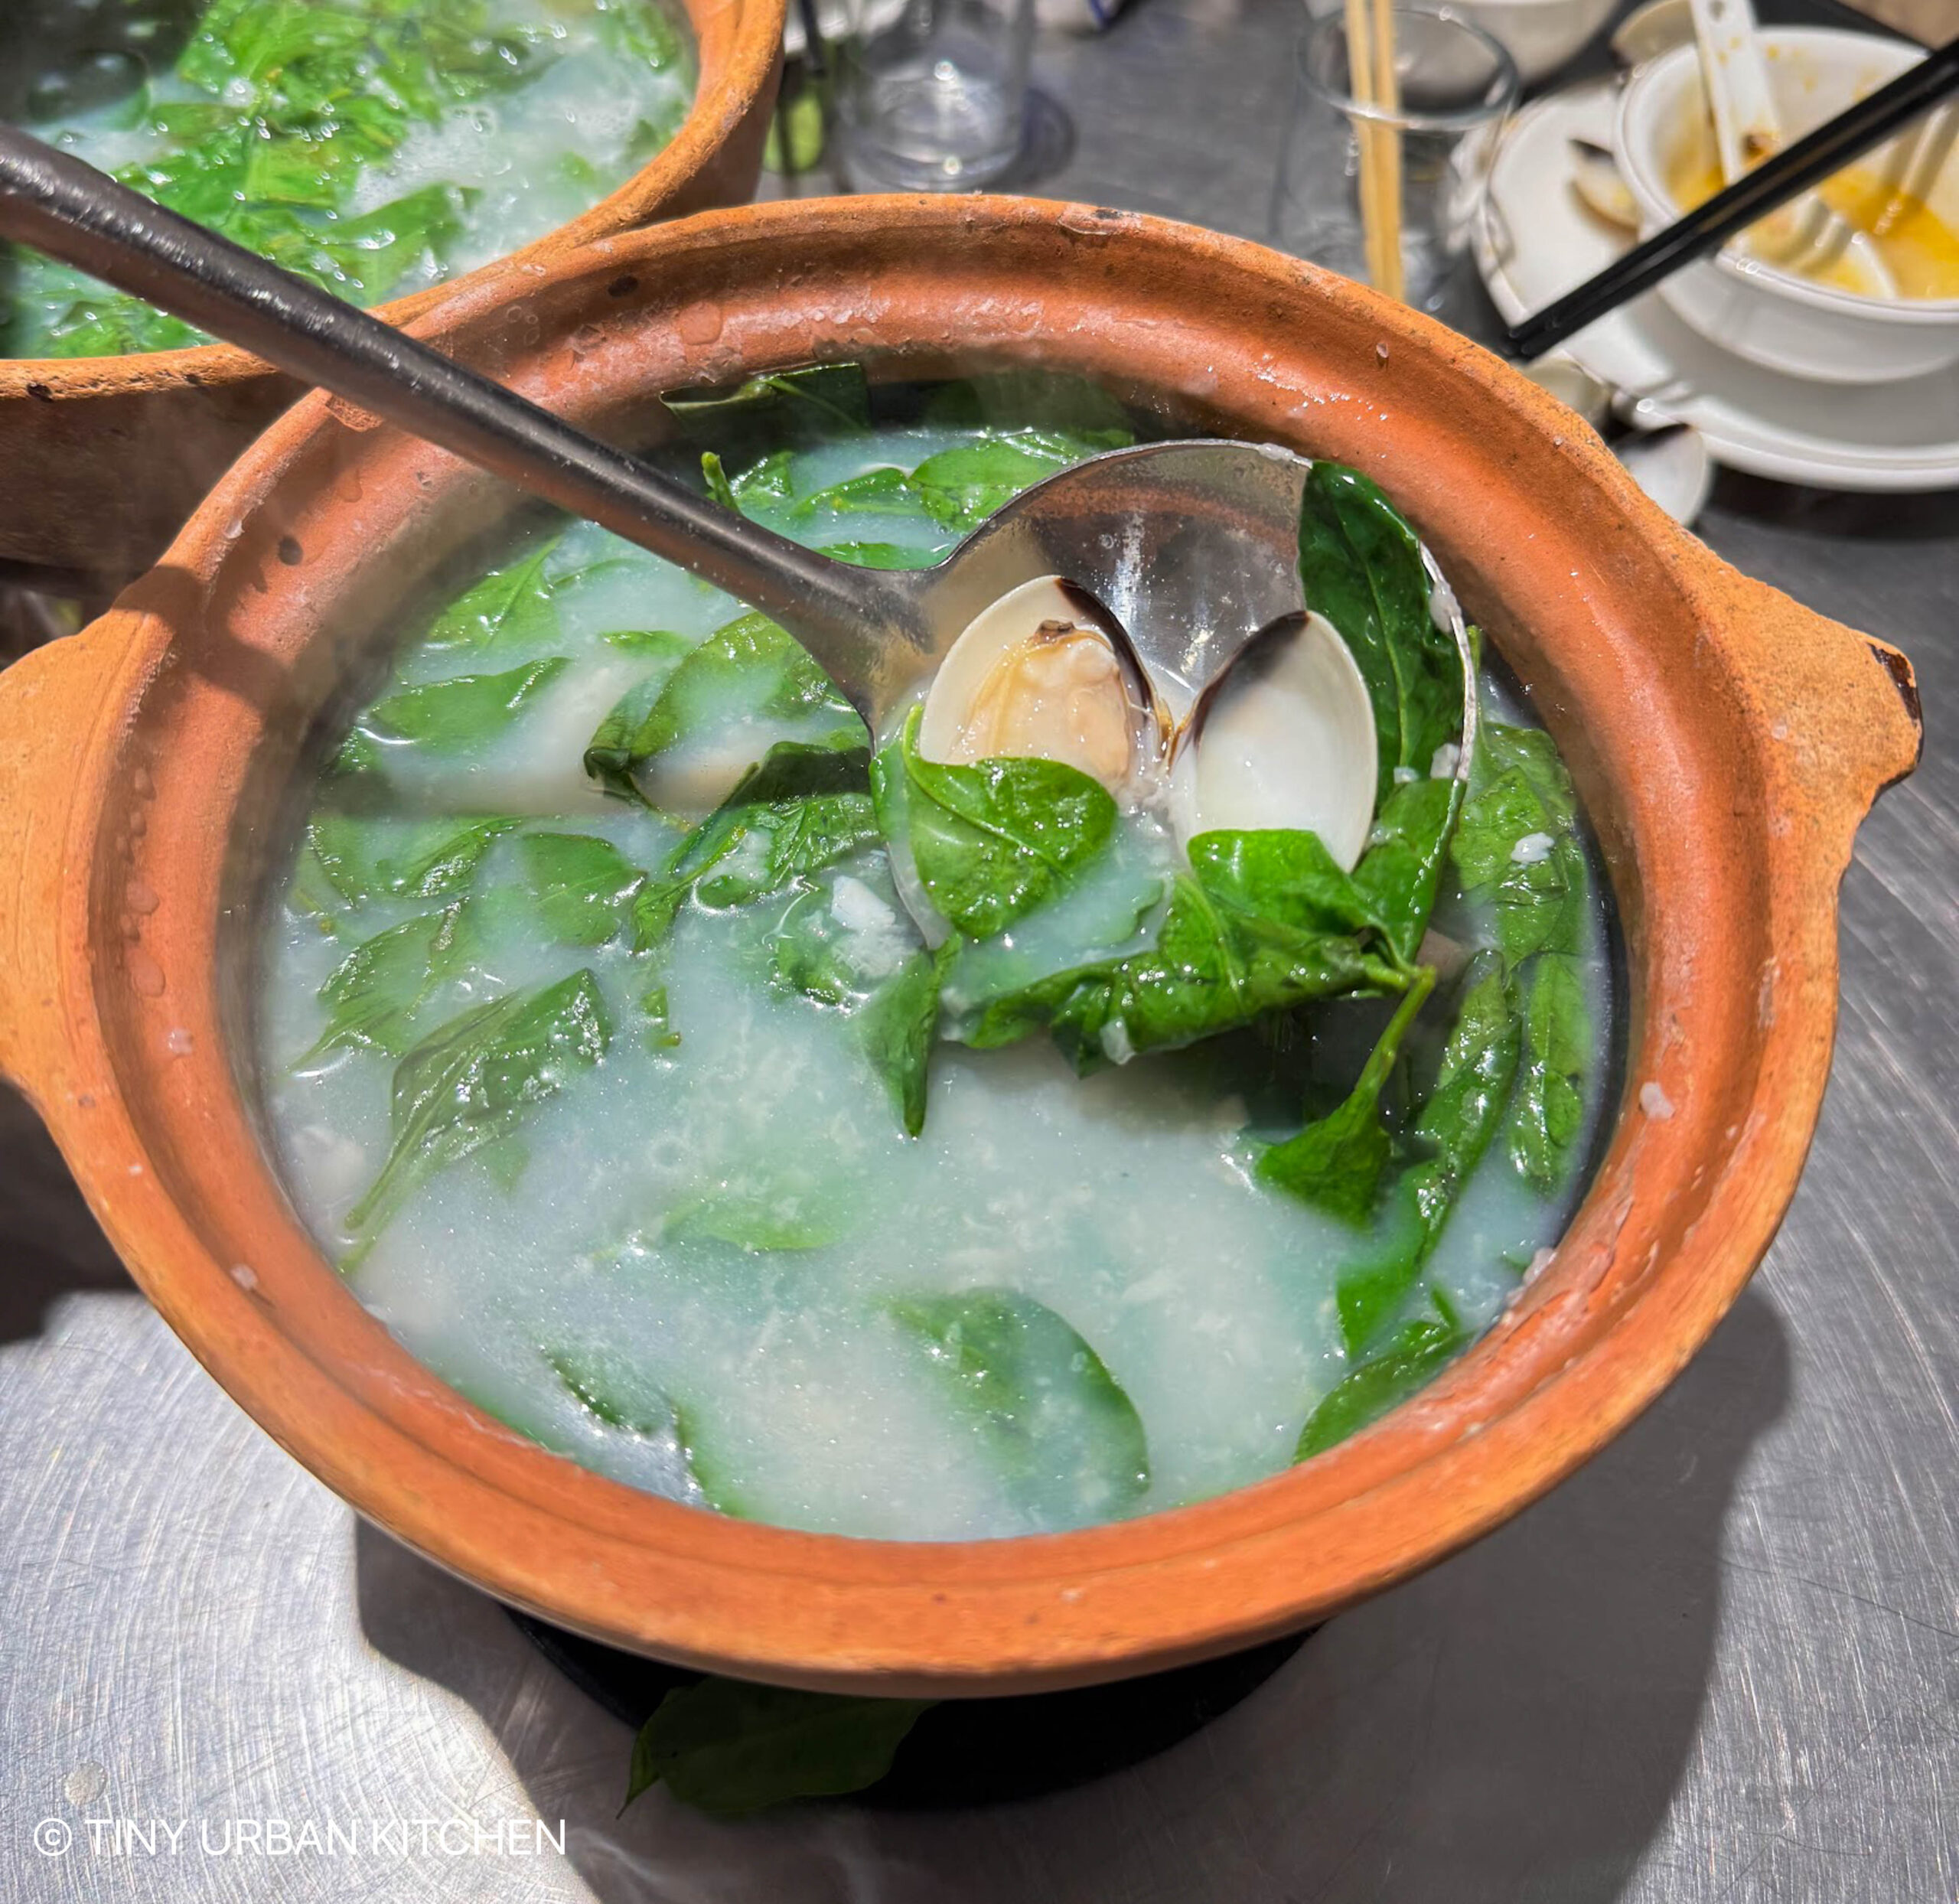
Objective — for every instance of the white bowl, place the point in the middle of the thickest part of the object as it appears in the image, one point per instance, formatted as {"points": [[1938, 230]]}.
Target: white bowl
{"points": [[1772, 318], [1539, 35]]}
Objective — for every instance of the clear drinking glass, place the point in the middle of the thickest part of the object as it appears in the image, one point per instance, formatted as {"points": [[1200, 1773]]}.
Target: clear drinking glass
{"points": [[1457, 87], [932, 93]]}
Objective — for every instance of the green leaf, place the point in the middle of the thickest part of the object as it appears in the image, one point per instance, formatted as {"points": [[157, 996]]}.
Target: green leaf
{"points": [[657, 1034], [1401, 867], [884, 491], [750, 667], [763, 1212], [510, 606], [880, 554], [1455, 1126], [1338, 1163], [799, 809], [1413, 1356], [992, 841], [820, 399], [771, 479], [616, 1392], [444, 715], [1517, 848], [1362, 569], [476, 1080], [1548, 1117], [581, 884], [1062, 1434], [369, 856], [1227, 954], [372, 996], [719, 487], [729, 1748], [900, 1023], [963, 486], [608, 754]]}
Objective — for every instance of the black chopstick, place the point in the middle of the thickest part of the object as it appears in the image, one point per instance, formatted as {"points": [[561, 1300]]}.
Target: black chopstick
{"points": [[1811, 160]]}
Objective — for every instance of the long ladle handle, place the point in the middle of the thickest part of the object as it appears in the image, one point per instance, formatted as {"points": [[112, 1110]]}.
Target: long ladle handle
{"points": [[61, 205]]}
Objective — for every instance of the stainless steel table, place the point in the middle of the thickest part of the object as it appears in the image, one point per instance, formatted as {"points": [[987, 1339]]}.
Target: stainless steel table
{"points": [[1721, 1664]]}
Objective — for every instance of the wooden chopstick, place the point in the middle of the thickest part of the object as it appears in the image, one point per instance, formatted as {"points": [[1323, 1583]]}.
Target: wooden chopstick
{"points": [[1805, 162], [1375, 88]]}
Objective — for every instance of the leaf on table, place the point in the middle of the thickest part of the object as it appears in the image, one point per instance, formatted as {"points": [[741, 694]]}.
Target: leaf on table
{"points": [[730, 1749]]}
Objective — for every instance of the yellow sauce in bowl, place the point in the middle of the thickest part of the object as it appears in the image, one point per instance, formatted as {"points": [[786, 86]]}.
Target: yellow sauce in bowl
{"points": [[1918, 248]]}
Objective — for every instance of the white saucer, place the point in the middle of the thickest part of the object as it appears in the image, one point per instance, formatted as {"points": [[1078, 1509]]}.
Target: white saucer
{"points": [[1536, 239]]}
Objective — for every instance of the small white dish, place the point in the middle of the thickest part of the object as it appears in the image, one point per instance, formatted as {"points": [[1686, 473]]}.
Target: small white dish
{"points": [[1536, 240], [1775, 318]]}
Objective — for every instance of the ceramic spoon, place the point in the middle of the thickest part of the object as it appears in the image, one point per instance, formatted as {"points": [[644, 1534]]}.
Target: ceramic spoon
{"points": [[1805, 236], [1193, 545]]}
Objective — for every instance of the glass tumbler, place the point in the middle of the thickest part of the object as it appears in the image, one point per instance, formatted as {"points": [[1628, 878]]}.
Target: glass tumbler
{"points": [[1457, 86], [932, 94]]}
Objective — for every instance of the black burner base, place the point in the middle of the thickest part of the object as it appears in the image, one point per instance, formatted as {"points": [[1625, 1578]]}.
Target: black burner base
{"points": [[970, 1752]]}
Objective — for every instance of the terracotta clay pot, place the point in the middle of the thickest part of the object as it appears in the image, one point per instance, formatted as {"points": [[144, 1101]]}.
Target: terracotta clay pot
{"points": [[106, 456], [1726, 742]]}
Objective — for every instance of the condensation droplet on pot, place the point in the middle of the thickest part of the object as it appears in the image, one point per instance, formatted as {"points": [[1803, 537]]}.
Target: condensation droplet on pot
{"points": [[144, 973], [245, 1276], [140, 780], [586, 339], [178, 1041], [699, 322], [1380, 351], [140, 897], [1538, 1264], [1655, 1102]]}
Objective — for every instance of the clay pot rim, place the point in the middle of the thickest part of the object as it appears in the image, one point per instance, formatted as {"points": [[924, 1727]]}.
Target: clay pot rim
{"points": [[1591, 1344], [737, 43]]}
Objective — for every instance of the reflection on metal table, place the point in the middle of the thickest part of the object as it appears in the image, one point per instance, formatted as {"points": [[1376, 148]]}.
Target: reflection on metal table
{"points": [[1722, 1663]]}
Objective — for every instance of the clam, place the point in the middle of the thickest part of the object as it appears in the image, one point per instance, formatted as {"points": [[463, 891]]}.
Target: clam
{"points": [[1282, 736], [1047, 672]]}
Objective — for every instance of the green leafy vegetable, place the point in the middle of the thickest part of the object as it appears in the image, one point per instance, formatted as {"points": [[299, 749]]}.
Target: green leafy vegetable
{"points": [[1548, 1116], [1065, 1440], [762, 1213], [1413, 1355], [718, 487], [657, 1034], [885, 491], [900, 1023], [581, 884], [613, 1391], [372, 996], [475, 1080], [608, 754], [879, 554], [963, 486], [1362, 568], [365, 857], [1462, 1114], [749, 668], [992, 841], [728, 1748], [510, 606], [1517, 847], [1338, 1164], [444, 715]]}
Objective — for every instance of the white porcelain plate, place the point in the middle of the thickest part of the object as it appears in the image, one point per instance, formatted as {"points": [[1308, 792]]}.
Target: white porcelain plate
{"points": [[1536, 239]]}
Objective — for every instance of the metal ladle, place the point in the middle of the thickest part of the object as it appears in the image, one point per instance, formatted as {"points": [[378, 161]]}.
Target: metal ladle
{"points": [[1193, 545]]}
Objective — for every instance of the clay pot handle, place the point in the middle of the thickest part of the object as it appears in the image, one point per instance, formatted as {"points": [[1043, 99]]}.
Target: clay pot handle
{"points": [[48, 700], [1840, 707]]}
